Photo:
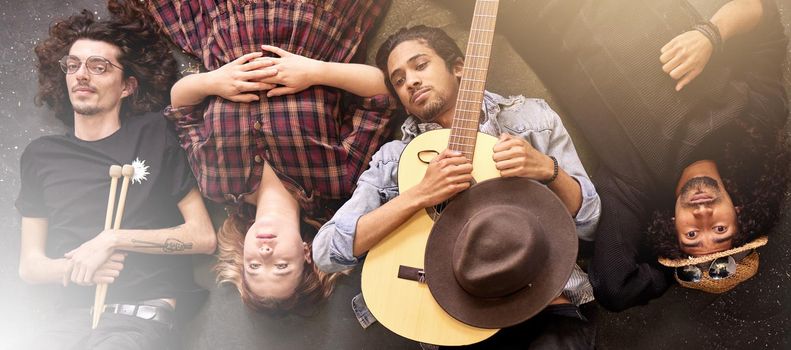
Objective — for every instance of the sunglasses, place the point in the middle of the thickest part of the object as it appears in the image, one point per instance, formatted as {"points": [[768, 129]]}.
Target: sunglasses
{"points": [[720, 268]]}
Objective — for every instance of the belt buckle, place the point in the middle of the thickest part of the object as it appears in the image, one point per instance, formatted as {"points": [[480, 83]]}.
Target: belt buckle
{"points": [[111, 308], [146, 312], [126, 309]]}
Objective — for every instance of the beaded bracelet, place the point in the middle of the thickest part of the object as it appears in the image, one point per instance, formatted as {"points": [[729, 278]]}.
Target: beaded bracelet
{"points": [[555, 172], [711, 32]]}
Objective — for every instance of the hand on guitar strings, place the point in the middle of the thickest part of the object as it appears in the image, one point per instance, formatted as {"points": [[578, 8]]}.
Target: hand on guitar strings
{"points": [[448, 174], [513, 156]]}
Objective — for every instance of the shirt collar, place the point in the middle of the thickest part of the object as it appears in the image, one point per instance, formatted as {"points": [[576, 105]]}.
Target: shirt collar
{"points": [[490, 107]]}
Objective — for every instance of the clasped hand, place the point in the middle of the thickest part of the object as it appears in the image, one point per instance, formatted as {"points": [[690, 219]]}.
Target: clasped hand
{"points": [[241, 79], [94, 262]]}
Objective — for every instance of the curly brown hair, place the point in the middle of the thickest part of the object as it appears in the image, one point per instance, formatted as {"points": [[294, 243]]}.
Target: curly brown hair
{"points": [[759, 192], [314, 286], [144, 55]]}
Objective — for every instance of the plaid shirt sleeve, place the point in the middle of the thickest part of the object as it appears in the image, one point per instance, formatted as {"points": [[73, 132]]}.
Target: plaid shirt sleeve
{"points": [[192, 133], [366, 124], [183, 21], [188, 122]]}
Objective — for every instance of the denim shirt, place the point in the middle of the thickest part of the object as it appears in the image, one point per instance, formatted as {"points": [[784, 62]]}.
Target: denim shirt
{"points": [[531, 119]]}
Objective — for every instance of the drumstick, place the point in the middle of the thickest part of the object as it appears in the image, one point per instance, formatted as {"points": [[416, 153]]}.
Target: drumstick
{"points": [[115, 173], [101, 289], [127, 171]]}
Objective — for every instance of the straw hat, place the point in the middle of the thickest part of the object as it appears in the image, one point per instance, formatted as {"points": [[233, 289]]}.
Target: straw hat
{"points": [[745, 268]]}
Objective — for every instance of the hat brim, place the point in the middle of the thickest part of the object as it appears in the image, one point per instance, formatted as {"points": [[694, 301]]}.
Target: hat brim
{"points": [[745, 269], [758, 242], [553, 274]]}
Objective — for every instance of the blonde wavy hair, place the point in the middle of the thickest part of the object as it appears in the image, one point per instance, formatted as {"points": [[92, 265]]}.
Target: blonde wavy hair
{"points": [[315, 286]]}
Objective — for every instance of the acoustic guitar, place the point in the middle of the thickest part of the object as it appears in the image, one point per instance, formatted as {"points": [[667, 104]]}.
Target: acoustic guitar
{"points": [[393, 283]]}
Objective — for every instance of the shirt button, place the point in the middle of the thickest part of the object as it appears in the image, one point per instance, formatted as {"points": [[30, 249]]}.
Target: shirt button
{"points": [[257, 125], [258, 159]]}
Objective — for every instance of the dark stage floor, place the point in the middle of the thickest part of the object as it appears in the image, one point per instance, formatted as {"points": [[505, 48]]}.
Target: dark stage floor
{"points": [[756, 315]]}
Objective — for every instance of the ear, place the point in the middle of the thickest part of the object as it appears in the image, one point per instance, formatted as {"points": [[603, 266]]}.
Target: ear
{"points": [[130, 87], [738, 209], [306, 251], [458, 67]]}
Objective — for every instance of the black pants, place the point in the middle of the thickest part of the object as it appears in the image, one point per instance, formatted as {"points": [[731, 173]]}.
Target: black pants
{"points": [[556, 327], [71, 330]]}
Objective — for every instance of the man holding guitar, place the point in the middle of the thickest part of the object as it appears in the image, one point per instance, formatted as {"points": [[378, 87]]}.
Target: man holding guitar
{"points": [[423, 67]]}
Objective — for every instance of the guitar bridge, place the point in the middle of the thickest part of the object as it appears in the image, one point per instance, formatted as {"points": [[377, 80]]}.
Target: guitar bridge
{"points": [[412, 273]]}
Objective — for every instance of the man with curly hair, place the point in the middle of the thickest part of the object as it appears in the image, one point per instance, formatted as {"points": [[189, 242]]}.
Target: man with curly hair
{"points": [[105, 78], [685, 109]]}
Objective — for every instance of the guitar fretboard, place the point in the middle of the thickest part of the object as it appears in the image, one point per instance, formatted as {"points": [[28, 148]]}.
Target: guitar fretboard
{"points": [[476, 64]]}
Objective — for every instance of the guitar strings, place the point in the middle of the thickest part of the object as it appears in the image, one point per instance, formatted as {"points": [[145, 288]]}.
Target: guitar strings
{"points": [[465, 126]]}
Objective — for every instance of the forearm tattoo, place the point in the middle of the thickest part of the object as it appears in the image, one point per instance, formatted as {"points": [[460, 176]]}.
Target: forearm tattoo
{"points": [[170, 245]]}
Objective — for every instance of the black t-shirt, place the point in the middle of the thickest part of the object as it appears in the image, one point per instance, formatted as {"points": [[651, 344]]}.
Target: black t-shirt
{"points": [[66, 180]]}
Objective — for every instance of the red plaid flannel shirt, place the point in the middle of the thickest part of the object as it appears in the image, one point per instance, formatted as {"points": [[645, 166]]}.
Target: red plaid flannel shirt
{"points": [[318, 141]]}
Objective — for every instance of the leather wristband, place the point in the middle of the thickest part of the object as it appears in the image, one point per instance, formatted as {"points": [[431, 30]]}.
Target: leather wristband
{"points": [[711, 32], [554, 173]]}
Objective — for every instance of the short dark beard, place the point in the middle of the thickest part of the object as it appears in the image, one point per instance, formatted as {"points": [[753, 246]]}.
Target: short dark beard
{"points": [[700, 181], [760, 195], [432, 109], [86, 111]]}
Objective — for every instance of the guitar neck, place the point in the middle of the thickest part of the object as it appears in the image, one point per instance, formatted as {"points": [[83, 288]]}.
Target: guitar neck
{"points": [[473, 81]]}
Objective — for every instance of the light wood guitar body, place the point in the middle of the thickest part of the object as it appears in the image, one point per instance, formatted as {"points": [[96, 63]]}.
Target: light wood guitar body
{"points": [[404, 306]]}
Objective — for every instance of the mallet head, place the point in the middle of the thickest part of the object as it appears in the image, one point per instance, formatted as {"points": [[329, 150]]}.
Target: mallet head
{"points": [[128, 170], [116, 171]]}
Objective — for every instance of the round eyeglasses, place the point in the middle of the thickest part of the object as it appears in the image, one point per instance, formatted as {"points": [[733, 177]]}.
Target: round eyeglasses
{"points": [[95, 64]]}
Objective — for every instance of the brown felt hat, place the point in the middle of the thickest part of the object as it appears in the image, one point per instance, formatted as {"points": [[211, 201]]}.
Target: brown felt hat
{"points": [[745, 268], [500, 252]]}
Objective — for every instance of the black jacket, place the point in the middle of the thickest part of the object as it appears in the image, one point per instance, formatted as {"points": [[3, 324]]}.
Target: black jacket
{"points": [[600, 60]]}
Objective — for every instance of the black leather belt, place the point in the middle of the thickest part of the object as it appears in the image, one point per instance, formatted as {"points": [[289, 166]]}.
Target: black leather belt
{"points": [[162, 314]]}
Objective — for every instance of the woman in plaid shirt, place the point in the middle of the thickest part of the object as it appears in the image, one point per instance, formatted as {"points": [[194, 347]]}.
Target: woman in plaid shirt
{"points": [[273, 137]]}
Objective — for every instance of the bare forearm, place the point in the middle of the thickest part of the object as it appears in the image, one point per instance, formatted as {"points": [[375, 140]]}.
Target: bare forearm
{"points": [[34, 265], [737, 17], [182, 239], [376, 225], [42, 270], [190, 90], [568, 190], [359, 79]]}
